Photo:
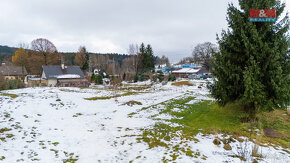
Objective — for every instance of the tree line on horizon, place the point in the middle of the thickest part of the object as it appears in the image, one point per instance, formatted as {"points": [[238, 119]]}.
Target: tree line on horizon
{"points": [[44, 52]]}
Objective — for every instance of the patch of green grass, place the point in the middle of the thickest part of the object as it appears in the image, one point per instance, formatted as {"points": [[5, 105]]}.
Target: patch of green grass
{"points": [[106, 89], [77, 114], [138, 157], [8, 94], [71, 159], [55, 143], [2, 130], [161, 134], [9, 135], [55, 152], [135, 88], [209, 118], [110, 97], [68, 90], [131, 114]]}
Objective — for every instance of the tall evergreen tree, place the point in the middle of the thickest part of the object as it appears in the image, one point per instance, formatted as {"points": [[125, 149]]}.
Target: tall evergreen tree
{"points": [[86, 65], [252, 66], [150, 58], [146, 59], [141, 58]]}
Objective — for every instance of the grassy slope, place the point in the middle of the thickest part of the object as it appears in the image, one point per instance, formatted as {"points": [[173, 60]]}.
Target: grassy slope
{"points": [[209, 118]]}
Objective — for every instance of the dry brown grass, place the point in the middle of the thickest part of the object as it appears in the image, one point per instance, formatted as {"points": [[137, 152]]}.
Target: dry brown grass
{"points": [[181, 83], [279, 121], [132, 102]]}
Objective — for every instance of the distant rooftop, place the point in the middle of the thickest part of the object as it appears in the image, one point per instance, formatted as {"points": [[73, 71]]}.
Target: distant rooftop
{"points": [[54, 72], [12, 70]]}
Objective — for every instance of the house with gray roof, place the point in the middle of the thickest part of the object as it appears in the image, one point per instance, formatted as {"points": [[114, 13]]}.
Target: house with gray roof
{"points": [[63, 76], [11, 72]]}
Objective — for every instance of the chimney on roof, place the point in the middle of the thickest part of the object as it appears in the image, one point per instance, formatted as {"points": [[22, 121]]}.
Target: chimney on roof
{"points": [[62, 62]]}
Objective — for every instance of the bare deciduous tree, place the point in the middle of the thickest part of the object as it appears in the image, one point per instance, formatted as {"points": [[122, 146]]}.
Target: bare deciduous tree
{"points": [[163, 60], [134, 50], [101, 61], [81, 57], [128, 64], [44, 47], [34, 63], [202, 54]]}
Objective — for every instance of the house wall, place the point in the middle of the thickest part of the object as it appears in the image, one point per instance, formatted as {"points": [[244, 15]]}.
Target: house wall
{"points": [[9, 77], [43, 75], [72, 83], [182, 75], [51, 82], [15, 77], [44, 82], [33, 83]]}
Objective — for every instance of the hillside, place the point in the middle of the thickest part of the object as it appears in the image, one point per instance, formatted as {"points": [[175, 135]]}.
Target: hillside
{"points": [[161, 124], [6, 52]]}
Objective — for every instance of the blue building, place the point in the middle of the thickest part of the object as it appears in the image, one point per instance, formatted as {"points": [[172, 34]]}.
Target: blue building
{"points": [[188, 66]]}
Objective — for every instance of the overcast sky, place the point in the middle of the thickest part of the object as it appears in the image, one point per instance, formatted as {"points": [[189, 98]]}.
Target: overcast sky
{"points": [[172, 27]]}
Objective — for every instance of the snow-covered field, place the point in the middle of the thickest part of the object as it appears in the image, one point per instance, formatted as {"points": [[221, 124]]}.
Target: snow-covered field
{"points": [[59, 124]]}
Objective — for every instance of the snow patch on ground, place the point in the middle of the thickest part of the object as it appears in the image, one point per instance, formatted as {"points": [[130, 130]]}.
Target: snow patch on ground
{"points": [[53, 124]]}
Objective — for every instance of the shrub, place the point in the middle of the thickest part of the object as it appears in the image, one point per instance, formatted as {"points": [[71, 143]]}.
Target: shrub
{"points": [[155, 78], [141, 77], [160, 78], [99, 79], [124, 76], [2, 82], [14, 84], [171, 77], [144, 77], [159, 72], [136, 78], [93, 77]]}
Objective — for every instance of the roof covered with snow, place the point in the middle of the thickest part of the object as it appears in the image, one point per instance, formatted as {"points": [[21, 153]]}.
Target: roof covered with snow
{"points": [[68, 76], [186, 70]]}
